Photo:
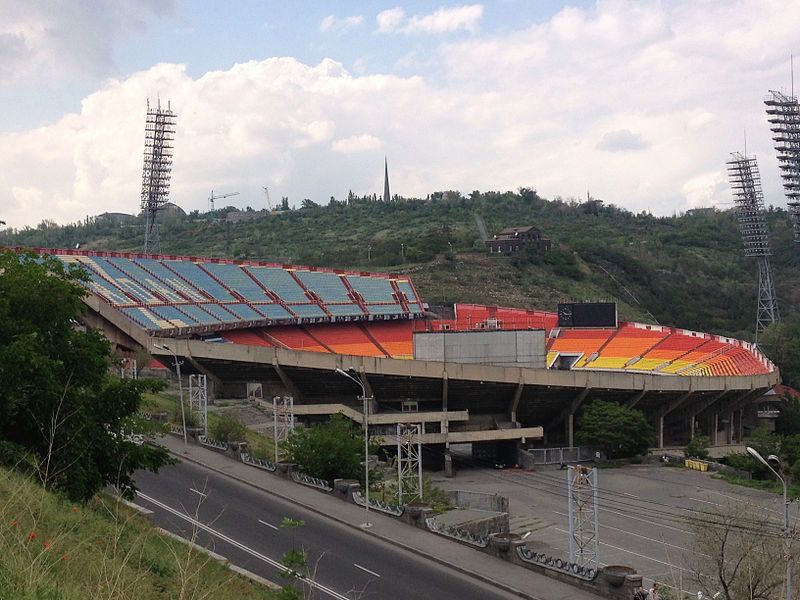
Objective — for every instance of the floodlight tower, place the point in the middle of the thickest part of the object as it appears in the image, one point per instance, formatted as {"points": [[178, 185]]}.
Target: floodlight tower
{"points": [[746, 187], [784, 118], [159, 133]]}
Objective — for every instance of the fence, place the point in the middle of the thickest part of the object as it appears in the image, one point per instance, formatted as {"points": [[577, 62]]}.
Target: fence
{"points": [[455, 533], [555, 456], [478, 500], [258, 462], [379, 505], [311, 481], [212, 443]]}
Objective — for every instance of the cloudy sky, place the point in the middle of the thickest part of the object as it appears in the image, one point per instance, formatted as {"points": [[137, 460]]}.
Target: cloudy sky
{"points": [[638, 102]]}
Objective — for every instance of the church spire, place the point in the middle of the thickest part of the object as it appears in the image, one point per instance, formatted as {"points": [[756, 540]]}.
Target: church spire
{"points": [[386, 196]]}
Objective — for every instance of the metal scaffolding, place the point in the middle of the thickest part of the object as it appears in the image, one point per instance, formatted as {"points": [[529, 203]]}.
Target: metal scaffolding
{"points": [[159, 134], [746, 187], [409, 463], [198, 400], [282, 421], [784, 118], [584, 540]]}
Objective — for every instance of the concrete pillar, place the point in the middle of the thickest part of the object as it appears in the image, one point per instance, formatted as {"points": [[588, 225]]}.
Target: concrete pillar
{"points": [[730, 427], [660, 431], [448, 465], [691, 426], [570, 425], [741, 425], [715, 427]]}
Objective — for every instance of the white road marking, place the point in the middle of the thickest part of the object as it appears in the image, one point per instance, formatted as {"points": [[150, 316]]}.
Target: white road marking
{"points": [[268, 524], [231, 541], [365, 569], [636, 554], [705, 501], [197, 492], [626, 532], [631, 495]]}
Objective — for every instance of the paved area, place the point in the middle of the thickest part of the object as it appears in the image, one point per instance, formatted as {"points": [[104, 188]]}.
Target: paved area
{"points": [[507, 578], [642, 516]]}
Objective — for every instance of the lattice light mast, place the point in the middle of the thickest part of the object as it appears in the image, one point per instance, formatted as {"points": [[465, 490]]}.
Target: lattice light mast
{"points": [[784, 117], [746, 187], [158, 137], [409, 463], [584, 539]]}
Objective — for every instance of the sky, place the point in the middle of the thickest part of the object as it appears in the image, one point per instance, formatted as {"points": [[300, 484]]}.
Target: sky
{"points": [[639, 103]]}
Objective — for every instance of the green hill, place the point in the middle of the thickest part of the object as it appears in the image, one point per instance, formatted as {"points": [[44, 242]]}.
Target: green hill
{"points": [[685, 270], [53, 549]]}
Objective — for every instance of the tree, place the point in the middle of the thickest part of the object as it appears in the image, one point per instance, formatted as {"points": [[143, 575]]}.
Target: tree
{"points": [[228, 429], [330, 450], [739, 551], [62, 413], [779, 343], [617, 430]]}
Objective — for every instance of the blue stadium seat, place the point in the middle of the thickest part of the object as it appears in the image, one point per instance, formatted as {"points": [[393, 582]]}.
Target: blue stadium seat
{"points": [[328, 286], [130, 266], [385, 309], [199, 278], [372, 289], [173, 315], [236, 279], [178, 284], [244, 311], [279, 282], [307, 311], [122, 279], [273, 311], [200, 315], [345, 310], [221, 314]]}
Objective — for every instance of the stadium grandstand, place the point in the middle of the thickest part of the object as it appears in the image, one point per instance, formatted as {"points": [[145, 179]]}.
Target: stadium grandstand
{"points": [[287, 329]]}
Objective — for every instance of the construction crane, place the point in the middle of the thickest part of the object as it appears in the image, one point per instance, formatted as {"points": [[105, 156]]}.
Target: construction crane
{"points": [[212, 197], [269, 202]]}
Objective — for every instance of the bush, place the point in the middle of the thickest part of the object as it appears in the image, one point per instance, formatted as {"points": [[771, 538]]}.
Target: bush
{"points": [[697, 447], [617, 430], [227, 429]]}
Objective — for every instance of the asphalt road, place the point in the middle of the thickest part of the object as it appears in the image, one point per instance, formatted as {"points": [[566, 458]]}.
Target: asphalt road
{"points": [[244, 525]]}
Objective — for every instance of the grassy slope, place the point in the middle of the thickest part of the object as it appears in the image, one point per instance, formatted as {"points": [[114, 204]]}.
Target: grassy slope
{"points": [[52, 549], [687, 270]]}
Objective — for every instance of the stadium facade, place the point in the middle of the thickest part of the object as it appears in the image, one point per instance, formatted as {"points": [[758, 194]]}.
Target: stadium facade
{"points": [[285, 329]]}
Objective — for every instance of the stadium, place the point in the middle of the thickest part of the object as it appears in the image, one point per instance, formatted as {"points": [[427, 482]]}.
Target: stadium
{"points": [[285, 330]]}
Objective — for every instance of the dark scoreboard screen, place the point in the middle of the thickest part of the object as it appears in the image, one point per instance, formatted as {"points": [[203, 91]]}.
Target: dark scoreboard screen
{"points": [[587, 314]]}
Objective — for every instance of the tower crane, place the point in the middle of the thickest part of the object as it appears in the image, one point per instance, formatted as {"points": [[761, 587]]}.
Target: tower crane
{"points": [[212, 197]]}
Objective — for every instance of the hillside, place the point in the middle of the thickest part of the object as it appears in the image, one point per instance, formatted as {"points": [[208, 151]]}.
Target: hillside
{"points": [[51, 548], [685, 270]]}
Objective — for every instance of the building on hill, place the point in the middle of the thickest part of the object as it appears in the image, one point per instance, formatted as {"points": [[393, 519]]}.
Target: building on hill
{"points": [[516, 239]]}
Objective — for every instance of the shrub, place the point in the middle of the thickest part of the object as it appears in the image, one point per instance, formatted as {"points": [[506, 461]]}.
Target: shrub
{"points": [[697, 447], [617, 430], [227, 429]]}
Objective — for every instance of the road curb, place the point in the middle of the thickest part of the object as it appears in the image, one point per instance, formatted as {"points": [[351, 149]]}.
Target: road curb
{"points": [[463, 570]]}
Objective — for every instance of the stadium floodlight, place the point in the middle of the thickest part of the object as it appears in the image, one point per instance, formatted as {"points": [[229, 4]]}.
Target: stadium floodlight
{"points": [[366, 400], [746, 187], [158, 136], [774, 459], [784, 118], [180, 388]]}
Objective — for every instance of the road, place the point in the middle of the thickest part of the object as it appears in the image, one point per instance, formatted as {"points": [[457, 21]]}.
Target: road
{"points": [[243, 524], [642, 515]]}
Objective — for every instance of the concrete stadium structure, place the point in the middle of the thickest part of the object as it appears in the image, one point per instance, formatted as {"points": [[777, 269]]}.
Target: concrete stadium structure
{"points": [[365, 323]]}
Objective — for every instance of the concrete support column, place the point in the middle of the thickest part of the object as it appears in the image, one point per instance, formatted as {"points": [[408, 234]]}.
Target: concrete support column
{"points": [[691, 426], [741, 425], [715, 427], [730, 427], [660, 430], [570, 425]]}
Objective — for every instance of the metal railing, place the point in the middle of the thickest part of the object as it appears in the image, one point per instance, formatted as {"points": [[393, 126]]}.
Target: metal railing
{"points": [[395, 510], [457, 534], [555, 456], [556, 564], [206, 441], [310, 481], [257, 462]]}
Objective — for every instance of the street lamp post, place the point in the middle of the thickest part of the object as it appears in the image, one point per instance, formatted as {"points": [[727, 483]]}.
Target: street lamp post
{"points": [[180, 387], [754, 453], [365, 400]]}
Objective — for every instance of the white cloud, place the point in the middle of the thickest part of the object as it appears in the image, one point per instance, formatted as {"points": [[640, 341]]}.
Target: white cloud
{"points": [[443, 20], [356, 143], [390, 20], [675, 81], [61, 40], [332, 23]]}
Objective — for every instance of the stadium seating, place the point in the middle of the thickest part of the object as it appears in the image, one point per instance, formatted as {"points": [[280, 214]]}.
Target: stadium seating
{"points": [[280, 282], [414, 303], [191, 293], [372, 289], [344, 338], [293, 337], [236, 279], [395, 337], [146, 279], [327, 286], [199, 279], [626, 346], [248, 337]]}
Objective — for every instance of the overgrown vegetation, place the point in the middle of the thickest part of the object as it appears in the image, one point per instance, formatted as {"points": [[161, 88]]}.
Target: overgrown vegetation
{"points": [[698, 447], [685, 270], [52, 548], [63, 416], [619, 431]]}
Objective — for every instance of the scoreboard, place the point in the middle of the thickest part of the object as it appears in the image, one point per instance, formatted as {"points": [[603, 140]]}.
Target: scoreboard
{"points": [[587, 314]]}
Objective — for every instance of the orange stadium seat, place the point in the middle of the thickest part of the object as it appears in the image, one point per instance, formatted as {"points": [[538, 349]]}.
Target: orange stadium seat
{"points": [[394, 336], [630, 342], [344, 338], [248, 337], [293, 337]]}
